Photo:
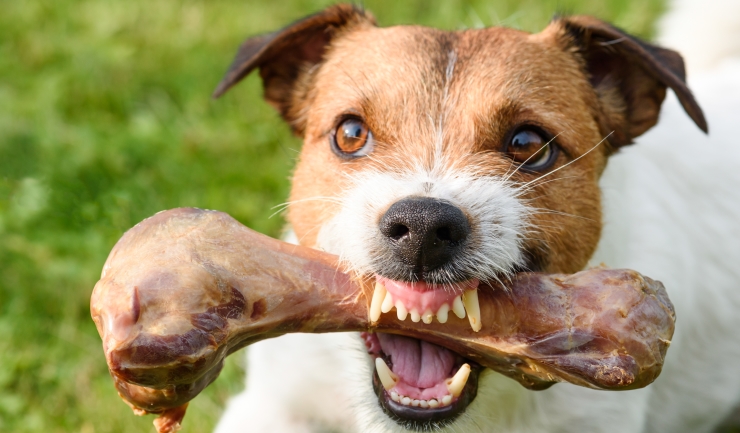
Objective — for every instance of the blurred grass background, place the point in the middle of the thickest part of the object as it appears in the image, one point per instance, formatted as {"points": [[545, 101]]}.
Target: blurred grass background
{"points": [[105, 119]]}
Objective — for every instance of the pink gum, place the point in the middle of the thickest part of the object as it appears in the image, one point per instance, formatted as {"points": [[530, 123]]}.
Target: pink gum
{"points": [[422, 296]]}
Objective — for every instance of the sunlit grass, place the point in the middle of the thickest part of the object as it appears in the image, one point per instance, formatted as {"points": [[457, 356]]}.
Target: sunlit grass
{"points": [[105, 119]]}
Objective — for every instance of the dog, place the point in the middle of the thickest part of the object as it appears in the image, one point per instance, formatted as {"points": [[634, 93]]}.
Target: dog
{"points": [[438, 162]]}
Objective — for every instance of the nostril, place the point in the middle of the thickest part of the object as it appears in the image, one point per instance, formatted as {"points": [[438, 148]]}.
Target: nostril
{"points": [[397, 231], [444, 234]]}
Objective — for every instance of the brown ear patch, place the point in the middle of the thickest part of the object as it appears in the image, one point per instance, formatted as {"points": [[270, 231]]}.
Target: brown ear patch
{"points": [[283, 55], [630, 76]]}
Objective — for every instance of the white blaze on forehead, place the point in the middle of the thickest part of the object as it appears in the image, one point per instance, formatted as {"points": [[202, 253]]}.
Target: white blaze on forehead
{"points": [[497, 216]]}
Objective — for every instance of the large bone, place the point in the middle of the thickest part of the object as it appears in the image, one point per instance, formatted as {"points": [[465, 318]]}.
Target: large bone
{"points": [[187, 287]]}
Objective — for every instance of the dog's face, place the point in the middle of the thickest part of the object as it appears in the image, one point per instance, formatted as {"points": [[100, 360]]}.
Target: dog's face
{"points": [[439, 163], [464, 120]]}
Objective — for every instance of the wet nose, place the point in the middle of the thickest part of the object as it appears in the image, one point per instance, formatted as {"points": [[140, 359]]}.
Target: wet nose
{"points": [[424, 233]]}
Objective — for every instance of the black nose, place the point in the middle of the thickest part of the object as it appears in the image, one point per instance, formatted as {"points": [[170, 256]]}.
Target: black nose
{"points": [[424, 233]]}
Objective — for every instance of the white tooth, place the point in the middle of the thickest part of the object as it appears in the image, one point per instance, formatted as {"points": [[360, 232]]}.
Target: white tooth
{"points": [[427, 317], [456, 384], [387, 303], [405, 401], [470, 299], [378, 296], [458, 308], [401, 311], [387, 377], [415, 403], [442, 313], [395, 397], [424, 403], [446, 400], [433, 403], [415, 317]]}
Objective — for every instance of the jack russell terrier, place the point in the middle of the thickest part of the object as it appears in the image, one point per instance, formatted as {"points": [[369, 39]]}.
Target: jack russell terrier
{"points": [[437, 162]]}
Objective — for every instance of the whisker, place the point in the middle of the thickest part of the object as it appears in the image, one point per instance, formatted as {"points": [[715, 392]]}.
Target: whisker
{"points": [[571, 162], [539, 211], [521, 191], [283, 206]]}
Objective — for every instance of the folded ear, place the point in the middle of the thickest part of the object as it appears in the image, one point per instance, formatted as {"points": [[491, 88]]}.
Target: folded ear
{"points": [[285, 55], [630, 76]]}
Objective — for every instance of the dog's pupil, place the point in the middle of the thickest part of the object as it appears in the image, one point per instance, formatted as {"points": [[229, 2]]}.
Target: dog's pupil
{"points": [[353, 136], [355, 132], [527, 139], [526, 145]]}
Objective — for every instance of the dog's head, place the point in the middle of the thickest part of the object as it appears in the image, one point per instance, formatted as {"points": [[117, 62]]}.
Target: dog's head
{"points": [[439, 162]]}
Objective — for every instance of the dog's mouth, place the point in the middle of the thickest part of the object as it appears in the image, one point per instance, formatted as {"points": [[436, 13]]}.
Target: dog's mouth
{"points": [[421, 385]]}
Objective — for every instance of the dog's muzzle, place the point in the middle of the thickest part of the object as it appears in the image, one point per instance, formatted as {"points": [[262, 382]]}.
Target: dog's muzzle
{"points": [[420, 384]]}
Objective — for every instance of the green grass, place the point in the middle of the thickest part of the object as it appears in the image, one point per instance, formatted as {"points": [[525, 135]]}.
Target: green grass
{"points": [[105, 119]]}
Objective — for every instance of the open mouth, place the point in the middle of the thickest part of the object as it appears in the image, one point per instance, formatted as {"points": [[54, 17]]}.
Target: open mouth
{"points": [[420, 384]]}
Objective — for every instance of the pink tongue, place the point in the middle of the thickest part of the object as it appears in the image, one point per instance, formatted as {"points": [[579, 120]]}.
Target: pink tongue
{"points": [[417, 362]]}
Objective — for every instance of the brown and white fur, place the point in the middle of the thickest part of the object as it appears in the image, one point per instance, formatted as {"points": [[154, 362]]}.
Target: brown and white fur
{"points": [[441, 107]]}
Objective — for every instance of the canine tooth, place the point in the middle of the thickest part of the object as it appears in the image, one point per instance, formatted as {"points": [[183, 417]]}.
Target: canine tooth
{"points": [[456, 384], [433, 403], [395, 397], [401, 311], [442, 313], [378, 296], [405, 401], [415, 316], [470, 299], [415, 403], [458, 308], [427, 317], [446, 400], [387, 377], [424, 403], [387, 304]]}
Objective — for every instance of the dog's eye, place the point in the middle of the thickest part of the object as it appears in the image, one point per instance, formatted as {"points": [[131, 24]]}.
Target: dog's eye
{"points": [[352, 138], [531, 150]]}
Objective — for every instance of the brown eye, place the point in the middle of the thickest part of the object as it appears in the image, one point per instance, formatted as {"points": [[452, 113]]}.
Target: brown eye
{"points": [[352, 138], [530, 149]]}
